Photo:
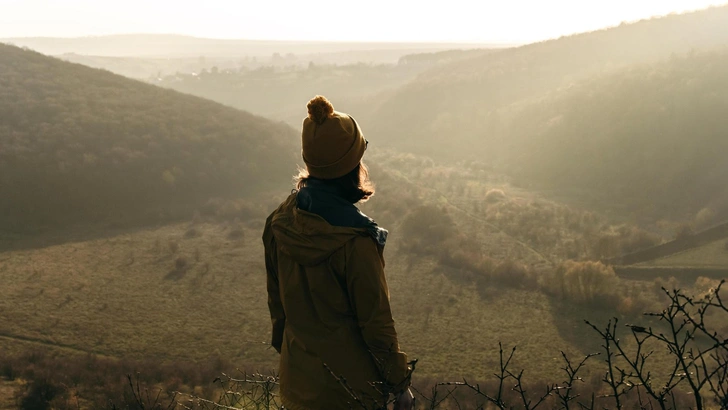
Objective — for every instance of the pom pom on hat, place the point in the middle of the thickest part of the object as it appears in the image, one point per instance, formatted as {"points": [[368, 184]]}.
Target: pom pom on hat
{"points": [[319, 109]]}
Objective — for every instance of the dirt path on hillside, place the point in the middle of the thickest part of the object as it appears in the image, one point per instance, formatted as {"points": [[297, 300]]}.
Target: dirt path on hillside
{"points": [[47, 343], [73, 349], [535, 252], [479, 219]]}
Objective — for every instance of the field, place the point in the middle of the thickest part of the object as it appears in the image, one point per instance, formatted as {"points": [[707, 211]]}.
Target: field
{"points": [[193, 293], [7, 390], [712, 255], [156, 293], [526, 190], [153, 292], [195, 290]]}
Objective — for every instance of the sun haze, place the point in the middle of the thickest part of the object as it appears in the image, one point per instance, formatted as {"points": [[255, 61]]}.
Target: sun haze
{"points": [[517, 21]]}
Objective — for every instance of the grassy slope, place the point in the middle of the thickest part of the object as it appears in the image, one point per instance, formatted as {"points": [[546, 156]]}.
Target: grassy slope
{"points": [[7, 392], [712, 255], [126, 296], [123, 295], [127, 299]]}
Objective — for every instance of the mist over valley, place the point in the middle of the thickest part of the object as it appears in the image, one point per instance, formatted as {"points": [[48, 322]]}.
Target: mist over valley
{"points": [[526, 189]]}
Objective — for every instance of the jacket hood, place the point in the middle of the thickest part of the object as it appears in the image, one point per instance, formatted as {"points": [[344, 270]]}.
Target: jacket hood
{"points": [[307, 237]]}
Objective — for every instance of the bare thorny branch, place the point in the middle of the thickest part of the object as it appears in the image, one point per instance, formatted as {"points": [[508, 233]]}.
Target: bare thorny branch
{"points": [[142, 398], [700, 355], [251, 391], [503, 376], [700, 364], [565, 392]]}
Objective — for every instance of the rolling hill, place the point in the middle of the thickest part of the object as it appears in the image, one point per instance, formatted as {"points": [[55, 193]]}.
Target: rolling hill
{"points": [[84, 145], [186, 292], [482, 108], [651, 137]]}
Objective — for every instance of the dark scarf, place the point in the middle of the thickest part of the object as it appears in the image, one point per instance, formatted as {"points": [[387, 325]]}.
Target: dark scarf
{"points": [[323, 200]]}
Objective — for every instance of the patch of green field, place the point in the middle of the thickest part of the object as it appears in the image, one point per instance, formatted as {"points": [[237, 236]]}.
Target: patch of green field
{"points": [[712, 255]]}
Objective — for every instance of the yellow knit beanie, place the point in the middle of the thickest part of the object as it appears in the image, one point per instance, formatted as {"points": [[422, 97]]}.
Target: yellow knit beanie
{"points": [[332, 142]]}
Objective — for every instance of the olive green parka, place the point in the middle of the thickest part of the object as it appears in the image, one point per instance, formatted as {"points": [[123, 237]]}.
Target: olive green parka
{"points": [[329, 305]]}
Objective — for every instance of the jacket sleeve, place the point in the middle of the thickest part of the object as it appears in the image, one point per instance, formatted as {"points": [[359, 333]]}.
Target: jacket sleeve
{"points": [[277, 314], [369, 297]]}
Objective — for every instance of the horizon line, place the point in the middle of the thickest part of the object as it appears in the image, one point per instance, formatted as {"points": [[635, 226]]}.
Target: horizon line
{"points": [[267, 40]]}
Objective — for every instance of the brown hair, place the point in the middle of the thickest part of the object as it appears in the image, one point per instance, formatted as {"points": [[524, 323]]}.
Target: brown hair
{"points": [[354, 186]]}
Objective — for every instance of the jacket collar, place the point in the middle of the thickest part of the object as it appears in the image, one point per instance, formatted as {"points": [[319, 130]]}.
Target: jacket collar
{"points": [[324, 200]]}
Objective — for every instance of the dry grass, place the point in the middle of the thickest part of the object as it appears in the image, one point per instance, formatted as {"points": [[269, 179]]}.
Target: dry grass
{"points": [[7, 394], [110, 297], [131, 296], [127, 297], [194, 291]]}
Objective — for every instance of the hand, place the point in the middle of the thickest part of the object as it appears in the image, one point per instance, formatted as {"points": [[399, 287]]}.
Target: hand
{"points": [[404, 401]]}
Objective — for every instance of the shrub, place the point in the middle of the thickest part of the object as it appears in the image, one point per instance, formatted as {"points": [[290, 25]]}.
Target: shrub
{"points": [[191, 233], [606, 246], [621, 240], [513, 274], [633, 239], [705, 218], [181, 263], [626, 306], [494, 195], [173, 246], [670, 284], [582, 282], [633, 301], [684, 231], [40, 393], [7, 371], [236, 233], [426, 228], [704, 287]]}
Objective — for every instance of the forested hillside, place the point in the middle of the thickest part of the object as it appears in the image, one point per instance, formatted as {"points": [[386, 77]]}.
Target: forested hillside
{"points": [[450, 109], [83, 145], [653, 137], [630, 115]]}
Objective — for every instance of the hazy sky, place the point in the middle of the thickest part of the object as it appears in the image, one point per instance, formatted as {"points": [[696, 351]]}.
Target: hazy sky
{"points": [[345, 20]]}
